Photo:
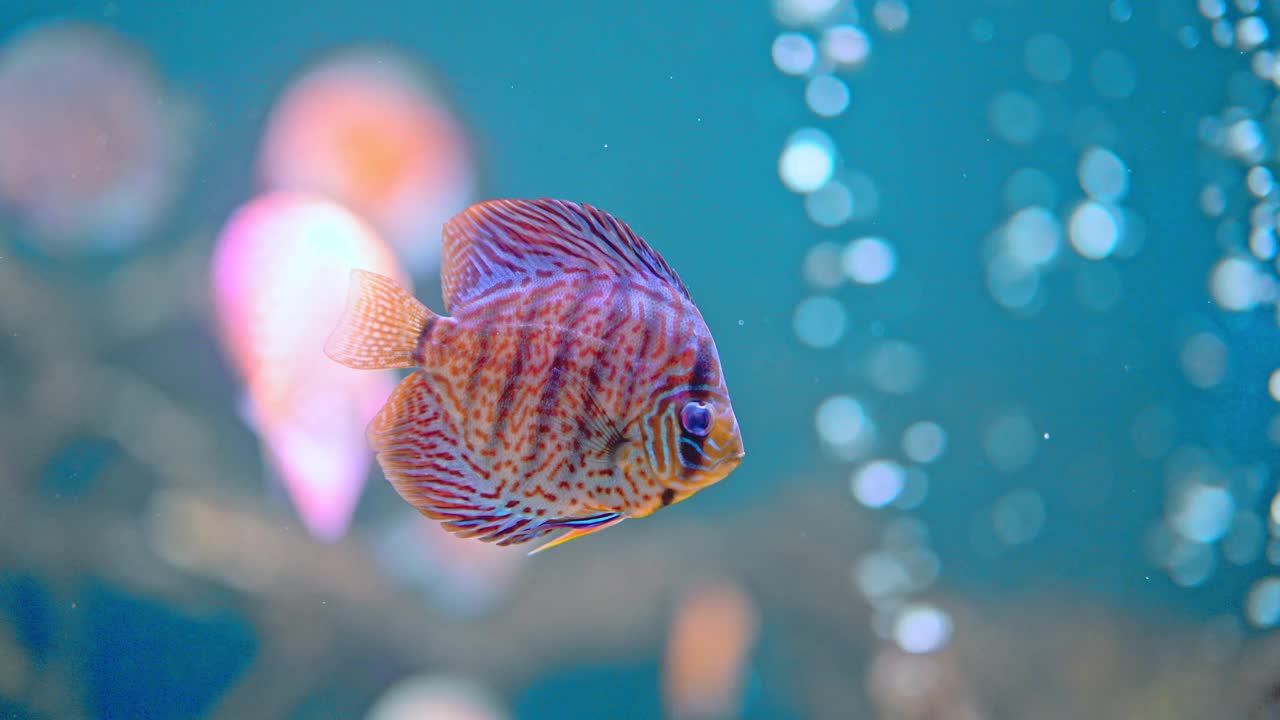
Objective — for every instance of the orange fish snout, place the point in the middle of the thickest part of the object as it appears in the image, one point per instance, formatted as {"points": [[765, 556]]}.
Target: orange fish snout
{"points": [[724, 444], [702, 459]]}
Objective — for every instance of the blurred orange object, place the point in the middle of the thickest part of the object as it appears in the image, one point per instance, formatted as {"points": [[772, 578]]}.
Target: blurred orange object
{"points": [[366, 128], [712, 637]]}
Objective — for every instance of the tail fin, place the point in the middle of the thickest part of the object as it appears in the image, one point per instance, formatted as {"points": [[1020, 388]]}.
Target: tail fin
{"points": [[381, 326]]}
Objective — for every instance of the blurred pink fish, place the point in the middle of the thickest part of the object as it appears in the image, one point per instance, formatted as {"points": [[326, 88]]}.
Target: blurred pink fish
{"points": [[366, 128], [279, 278], [91, 144]]}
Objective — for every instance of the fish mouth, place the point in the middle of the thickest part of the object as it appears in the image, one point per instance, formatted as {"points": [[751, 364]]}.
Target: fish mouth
{"points": [[729, 461]]}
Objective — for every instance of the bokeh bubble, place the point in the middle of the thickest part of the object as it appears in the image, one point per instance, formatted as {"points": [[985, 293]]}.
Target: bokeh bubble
{"points": [[880, 575], [1013, 284], [1010, 441], [915, 489], [1103, 175], [1212, 9], [1212, 200], [844, 426], [1032, 236], [878, 483], [1094, 230], [1048, 58], [1263, 63], [1204, 360], [807, 161], [1236, 284], [1202, 513], [1245, 140], [1263, 243], [1018, 516], [1190, 564], [922, 628], [1015, 117], [866, 198], [1222, 32], [1251, 32], [437, 697], [1114, 75], [796, 13], [1263, 604], [1259, 181], [794, 53], [845, 46], [895, 367], [869, 260], [822, 269], [92, 145], [1189, 37], [891, 16], [819, 321], [830, 205], [924, 441], [826, 95]]}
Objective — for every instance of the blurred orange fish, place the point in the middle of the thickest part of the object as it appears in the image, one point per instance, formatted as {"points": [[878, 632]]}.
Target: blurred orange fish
{"points": [[573, 385], [368, 127], [712, 636]]}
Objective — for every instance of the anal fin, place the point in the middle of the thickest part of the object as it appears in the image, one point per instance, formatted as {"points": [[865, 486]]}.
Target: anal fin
{"points": [[579, 527]]}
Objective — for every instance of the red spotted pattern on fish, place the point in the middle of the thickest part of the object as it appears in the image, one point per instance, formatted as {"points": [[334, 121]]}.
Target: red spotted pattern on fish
{"points": [[573, 384]]}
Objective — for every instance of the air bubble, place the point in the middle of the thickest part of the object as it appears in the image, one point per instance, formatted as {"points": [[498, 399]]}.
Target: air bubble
{"points": [[807, 160]]}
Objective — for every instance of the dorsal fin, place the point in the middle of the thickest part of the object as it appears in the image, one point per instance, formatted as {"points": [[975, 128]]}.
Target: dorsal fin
{"points": [[497, 241]]}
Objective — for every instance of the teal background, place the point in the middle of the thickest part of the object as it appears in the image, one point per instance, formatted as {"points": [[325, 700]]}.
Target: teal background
{"points": [[671, 115]]}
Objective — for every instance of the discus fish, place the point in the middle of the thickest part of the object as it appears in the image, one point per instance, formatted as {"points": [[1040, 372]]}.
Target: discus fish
{"points": [[573, 383]]}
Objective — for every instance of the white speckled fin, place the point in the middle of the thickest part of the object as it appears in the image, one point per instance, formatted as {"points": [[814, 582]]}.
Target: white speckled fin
{"points": [[380, 327]]}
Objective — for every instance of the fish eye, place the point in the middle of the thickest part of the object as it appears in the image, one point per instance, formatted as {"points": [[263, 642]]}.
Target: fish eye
{"points": [[696, 417]]}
